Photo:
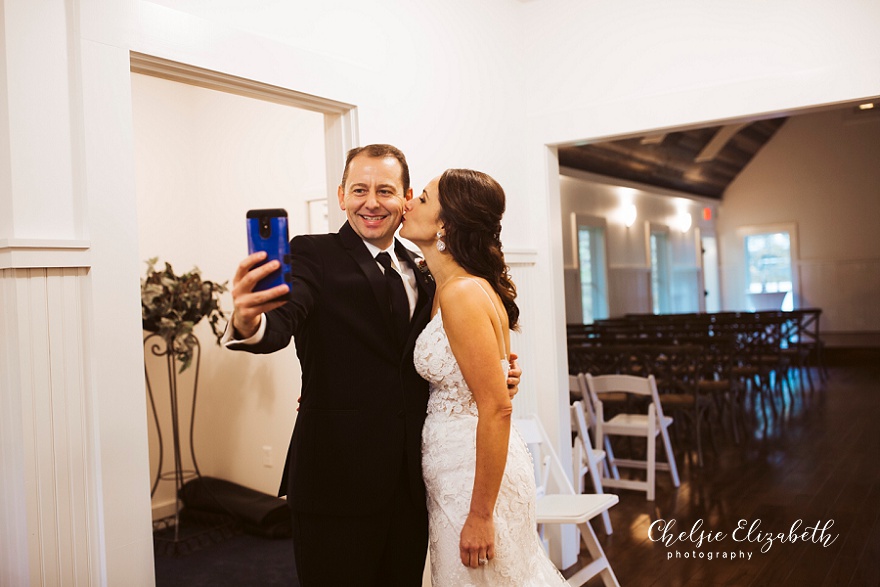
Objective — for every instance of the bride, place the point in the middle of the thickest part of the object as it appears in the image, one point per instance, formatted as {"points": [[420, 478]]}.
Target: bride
{"points": [[477, 470]]}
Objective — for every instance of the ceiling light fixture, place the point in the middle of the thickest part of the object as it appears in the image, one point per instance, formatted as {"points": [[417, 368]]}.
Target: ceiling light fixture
{"points": [[684, 221], [866, 106], [629, 215]]}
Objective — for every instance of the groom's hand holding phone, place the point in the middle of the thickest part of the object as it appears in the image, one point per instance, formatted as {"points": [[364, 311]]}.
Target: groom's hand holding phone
{"points": [[261, 280], [250, 305]]}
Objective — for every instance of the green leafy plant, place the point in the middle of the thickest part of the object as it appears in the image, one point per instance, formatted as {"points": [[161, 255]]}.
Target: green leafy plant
{"points": [[171, 306]]}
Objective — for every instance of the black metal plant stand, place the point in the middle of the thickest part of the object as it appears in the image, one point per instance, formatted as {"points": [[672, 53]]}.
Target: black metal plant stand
{"points": [[167, 531]]}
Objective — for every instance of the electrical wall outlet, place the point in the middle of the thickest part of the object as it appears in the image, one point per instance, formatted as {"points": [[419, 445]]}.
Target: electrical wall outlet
{"points": [[267, 456]]}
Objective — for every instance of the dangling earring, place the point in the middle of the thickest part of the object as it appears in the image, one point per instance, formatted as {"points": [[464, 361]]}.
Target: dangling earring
{"points": [[441, 246]]}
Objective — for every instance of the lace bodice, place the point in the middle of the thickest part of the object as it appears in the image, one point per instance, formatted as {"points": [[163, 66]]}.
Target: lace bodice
{"points": [[436, 364]]}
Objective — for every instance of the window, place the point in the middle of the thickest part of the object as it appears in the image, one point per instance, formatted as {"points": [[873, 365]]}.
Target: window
{"points": [[591, 270], [769, 268], [660, 271]]}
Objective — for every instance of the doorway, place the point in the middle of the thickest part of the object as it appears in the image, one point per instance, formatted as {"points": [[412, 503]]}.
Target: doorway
{"points": [[208, 147]]}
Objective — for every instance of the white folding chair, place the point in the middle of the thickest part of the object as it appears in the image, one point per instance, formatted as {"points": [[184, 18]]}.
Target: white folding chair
{"points": [[648, 425], [587, 460], [565, 506], [577, 387]]}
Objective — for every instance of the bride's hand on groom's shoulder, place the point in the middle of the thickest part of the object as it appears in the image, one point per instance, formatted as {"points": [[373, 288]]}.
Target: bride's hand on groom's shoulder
{"points": [[477, 544]]}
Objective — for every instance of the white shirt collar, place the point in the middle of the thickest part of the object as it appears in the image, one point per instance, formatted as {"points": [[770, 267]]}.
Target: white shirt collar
{"points": [[374, 250], [406, 272]]}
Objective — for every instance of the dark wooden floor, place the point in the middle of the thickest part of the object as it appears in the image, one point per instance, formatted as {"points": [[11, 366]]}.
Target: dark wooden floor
{"points": [[818, 464]]}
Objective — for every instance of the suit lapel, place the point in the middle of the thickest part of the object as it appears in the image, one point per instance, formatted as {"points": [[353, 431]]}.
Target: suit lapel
{"points": [[356, 248], [426, 287], [423, 277]]}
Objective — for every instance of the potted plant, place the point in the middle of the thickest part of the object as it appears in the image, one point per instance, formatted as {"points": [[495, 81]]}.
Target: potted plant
{"points": [[171, 306]]}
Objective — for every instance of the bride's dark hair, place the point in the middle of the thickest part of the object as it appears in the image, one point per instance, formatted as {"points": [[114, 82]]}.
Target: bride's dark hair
{"points": [[471, 206]]}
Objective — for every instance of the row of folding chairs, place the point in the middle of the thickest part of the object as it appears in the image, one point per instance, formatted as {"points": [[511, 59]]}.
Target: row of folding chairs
{"points": [[732, 378], [794, 335]]}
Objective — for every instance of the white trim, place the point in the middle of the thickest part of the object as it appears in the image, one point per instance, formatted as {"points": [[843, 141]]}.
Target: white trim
{"points": [[213, 80], [43, 253], [164, 509], [521, 256], [340, 118]]}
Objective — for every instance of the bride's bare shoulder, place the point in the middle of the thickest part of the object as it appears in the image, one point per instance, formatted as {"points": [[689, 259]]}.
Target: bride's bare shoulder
{"points": [[462, 290]]}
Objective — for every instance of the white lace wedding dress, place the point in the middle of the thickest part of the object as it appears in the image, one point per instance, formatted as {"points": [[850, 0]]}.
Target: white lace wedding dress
{"points": [[448, 462]]}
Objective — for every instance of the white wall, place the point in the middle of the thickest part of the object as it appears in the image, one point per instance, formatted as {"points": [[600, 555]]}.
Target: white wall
{"points": [[75, 504], [820, 173], [602, 69], [203, 158], [445, 88]]}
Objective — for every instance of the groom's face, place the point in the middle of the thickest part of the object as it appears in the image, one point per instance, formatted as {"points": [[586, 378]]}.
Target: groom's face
{"points": [[373, 198]]}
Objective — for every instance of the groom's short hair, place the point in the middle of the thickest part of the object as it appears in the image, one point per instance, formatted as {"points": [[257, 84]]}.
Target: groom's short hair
{"points": [[379, 151]]}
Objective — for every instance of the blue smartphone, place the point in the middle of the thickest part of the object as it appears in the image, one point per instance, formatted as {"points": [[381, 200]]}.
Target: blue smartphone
{"points": [[267, 231]]}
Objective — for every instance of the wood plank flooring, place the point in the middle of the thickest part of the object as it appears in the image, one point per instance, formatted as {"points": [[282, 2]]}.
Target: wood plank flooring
{"points": [[817, 466]]}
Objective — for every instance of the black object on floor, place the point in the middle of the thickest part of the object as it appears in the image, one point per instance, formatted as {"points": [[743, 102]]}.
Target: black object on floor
{"points": [[257, 513], [228, 535]]}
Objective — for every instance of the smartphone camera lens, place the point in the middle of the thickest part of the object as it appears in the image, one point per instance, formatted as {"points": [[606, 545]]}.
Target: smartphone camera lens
{"points": [[265, 227]]}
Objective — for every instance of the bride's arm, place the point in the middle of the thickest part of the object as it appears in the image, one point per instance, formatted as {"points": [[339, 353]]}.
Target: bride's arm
{"points": [[468, 321]]}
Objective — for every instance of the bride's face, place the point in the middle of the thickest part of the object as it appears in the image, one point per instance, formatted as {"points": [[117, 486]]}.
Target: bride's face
{"points": [[421, 216]]}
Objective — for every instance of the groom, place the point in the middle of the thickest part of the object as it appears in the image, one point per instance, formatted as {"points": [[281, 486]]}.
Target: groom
{"points": [[353, 475]]}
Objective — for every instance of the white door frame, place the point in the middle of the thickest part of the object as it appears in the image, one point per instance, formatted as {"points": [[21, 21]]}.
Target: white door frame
{"points": [[340, 119]]}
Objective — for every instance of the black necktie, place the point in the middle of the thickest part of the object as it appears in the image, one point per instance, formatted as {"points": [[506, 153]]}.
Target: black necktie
{"points": [[397, 296]]}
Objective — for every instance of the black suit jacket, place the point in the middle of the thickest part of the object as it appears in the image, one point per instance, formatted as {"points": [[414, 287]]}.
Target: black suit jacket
{"points": [[363, 404]]}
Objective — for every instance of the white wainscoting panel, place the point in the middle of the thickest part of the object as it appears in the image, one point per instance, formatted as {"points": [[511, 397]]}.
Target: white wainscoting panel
{"points": [[49, 492], [528, 296]]}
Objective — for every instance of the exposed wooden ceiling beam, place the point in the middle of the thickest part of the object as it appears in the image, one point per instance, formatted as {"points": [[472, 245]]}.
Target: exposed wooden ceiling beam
{"points": [[653, 139], [713, 147], [672, 161]]}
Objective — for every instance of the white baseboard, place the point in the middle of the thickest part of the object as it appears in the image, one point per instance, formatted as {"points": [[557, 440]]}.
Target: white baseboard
{"points": [[163, 509]]}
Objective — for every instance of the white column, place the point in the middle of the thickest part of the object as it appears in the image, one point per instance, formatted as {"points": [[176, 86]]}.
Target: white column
{"points": [[74, 490], [39, 199], [550, 369]]}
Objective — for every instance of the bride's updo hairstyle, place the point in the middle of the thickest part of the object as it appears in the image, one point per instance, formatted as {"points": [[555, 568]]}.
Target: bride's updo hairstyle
{"points": [[471, 206]]}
